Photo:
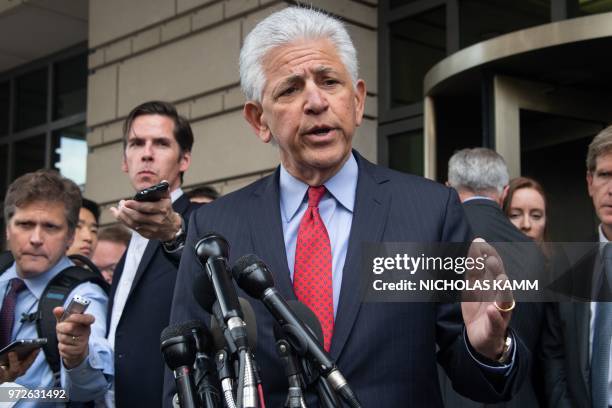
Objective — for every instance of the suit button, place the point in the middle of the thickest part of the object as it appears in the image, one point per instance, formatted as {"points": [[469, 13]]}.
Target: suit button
{"points": [[120, 356]]}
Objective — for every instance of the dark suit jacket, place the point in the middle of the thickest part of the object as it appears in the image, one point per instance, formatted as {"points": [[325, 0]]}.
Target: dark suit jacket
{"points": [[489, 222], [139, 367], [387, 351], [565, 337]]}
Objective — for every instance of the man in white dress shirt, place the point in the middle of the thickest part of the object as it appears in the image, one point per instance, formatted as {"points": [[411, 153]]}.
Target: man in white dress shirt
{"points": [[157, 146]]}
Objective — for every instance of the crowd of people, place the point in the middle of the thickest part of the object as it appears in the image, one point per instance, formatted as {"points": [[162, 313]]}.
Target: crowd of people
{"points": [[308, 220]]}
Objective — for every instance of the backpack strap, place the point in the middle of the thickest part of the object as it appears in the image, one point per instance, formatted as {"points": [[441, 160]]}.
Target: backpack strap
{"points": [[55, 295], [6, 260]]}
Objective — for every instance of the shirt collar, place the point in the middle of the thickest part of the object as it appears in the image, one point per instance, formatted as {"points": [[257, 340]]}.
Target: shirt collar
{"points": [[477, 197], [602, 236], [37, 284], [341, 186], [176, 194]]}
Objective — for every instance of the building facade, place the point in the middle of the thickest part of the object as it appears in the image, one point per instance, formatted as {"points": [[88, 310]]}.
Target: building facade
{"points": [[526, 77]]}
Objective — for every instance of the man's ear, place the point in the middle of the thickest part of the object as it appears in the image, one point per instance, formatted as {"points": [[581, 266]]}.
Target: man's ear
{"points": [[185, 162], [503, 195], [124, 166], [360, 96], [253, 113], [589, 179]]}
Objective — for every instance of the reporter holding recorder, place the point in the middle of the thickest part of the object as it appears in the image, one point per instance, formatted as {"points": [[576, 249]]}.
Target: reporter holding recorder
{"points": [[298, 69], [157, 145], [42, 211]]}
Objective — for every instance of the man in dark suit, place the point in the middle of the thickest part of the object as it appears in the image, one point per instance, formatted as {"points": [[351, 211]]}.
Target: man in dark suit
{"points": [[577, 340], [157, 146], [299, 73], [480, 177]]}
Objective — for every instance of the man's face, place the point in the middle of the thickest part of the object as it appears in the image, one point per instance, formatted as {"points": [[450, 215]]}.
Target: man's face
{"points": [[599, 183], [38, 237], [107, 256], [152, 153], [309, 106], [86, 234]]}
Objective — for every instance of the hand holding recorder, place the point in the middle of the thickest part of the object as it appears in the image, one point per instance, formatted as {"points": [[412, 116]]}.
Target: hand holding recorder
{"points": [[150, 213], [73, 330]]}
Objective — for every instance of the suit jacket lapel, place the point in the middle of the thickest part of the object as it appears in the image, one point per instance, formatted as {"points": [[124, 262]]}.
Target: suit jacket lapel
{"points": [[369, 215], [267, 233], [180, 206]]}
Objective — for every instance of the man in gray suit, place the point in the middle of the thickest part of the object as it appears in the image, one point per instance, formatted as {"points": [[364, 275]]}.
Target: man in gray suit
{"points": [[577, 339], [480, 176]]}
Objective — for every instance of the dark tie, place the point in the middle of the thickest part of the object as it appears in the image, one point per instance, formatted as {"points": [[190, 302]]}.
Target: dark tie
{"points": [[312, 272], [7, 313]]}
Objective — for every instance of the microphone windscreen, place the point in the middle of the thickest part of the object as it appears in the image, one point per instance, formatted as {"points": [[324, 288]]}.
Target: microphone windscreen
{"points": [[243, 262], [203, 340], [180, 329], [252, 275], [308, 317]]}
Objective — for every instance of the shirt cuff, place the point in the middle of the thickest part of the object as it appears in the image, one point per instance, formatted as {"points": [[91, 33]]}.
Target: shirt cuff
{"points": [[499, 369]]}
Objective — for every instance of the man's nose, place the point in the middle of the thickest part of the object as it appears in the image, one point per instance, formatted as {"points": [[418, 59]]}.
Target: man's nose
{"points": [[147, 151], [316, 100], [86, 234], [36, 237]]}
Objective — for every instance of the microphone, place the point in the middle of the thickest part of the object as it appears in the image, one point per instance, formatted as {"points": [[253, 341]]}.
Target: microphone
{"points": [[253, 276], [212, 252], [205, 370], [179, 350]]}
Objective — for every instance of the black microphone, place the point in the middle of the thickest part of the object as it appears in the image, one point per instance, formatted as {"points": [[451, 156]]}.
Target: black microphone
{"points": [[179, 350], [205, 371], [212, 252], [253, 276]]}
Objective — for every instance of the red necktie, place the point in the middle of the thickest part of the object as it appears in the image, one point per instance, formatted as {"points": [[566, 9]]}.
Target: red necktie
{"points": [[312, 273], [7, 313]]}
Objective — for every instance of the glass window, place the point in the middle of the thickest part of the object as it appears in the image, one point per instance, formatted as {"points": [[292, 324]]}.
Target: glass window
{"points": [[480, 20], [69, 153], [586, 7], [31, 106], [406, 152], [29, 155], [70, 87], [417, 44], [4, 108]]}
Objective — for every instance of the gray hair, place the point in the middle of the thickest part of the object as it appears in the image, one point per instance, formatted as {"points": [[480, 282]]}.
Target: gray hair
{"points": [[601, 144], [478, 170], [282, 28]]}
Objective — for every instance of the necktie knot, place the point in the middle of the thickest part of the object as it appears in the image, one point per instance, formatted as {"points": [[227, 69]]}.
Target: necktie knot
{"points": [[17, 285], [315, 194]]}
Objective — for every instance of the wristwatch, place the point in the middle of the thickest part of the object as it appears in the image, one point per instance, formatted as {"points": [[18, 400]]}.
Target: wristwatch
{"points": [[178, 242], [505, 355]]}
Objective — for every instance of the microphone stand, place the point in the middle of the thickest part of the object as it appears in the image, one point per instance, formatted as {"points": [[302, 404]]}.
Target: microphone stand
{"points": [[225, 376], [327, 396], [295, 395]]}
